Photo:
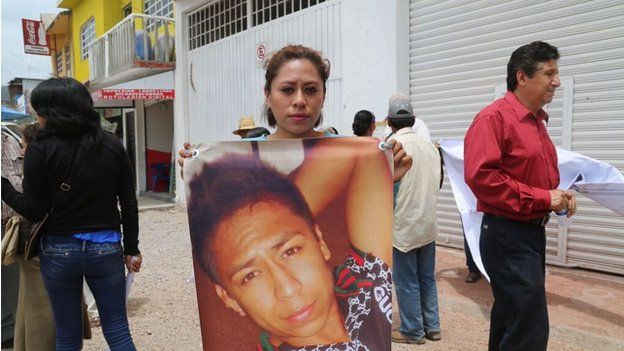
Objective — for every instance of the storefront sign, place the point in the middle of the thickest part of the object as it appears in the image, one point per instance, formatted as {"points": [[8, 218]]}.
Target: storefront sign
{"points": [[135, 94]]}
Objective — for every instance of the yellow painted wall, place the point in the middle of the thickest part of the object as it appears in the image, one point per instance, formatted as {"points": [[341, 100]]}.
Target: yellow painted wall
{"points": [[82, 11], [106, 14]]}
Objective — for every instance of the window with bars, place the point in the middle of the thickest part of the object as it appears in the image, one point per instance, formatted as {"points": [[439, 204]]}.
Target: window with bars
{"points": [[264, 11], [227, 17], [216, 21], [67, 60], [161, 8], [58, 57], [87, 35]]}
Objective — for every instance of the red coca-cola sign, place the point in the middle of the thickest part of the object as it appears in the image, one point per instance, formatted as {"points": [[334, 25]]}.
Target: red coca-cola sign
{"points": [[35, 39]]}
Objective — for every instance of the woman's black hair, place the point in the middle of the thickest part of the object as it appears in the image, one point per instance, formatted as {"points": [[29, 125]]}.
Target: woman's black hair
{"points": [[257, 132], [67, 108], [527, 58], [228, 184], [362, 122]]}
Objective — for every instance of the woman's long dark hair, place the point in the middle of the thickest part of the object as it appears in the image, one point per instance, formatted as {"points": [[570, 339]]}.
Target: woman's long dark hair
{"points": [[67, 107]]}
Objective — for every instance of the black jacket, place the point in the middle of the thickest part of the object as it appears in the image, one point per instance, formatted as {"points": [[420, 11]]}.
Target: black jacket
{"points": [[104, 180]]}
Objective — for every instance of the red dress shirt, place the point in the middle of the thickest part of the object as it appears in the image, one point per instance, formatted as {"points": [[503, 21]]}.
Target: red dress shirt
{"points": [[510, 162]]}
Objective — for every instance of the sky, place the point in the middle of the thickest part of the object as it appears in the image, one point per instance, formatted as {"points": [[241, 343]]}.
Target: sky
{"points": [[15, 63]]}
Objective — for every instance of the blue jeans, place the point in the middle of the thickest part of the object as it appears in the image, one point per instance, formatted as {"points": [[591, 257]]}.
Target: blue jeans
{"points": [[64, 262], [414, 282]]}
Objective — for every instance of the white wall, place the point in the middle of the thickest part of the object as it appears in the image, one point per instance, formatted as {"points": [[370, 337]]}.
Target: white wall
{"points": [[159, 126], [180, 122], [139, 129], [373, 63], [371, 55]]}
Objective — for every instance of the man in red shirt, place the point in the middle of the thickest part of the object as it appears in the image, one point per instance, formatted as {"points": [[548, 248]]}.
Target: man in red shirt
{"points": [[511, 166]]}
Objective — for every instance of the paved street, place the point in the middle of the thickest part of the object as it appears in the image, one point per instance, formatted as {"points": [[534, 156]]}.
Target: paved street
{"points": [[586, 308]]}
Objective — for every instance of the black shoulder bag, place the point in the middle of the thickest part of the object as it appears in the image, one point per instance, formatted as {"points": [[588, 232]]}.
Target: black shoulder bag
{"points": [[32, 243]]}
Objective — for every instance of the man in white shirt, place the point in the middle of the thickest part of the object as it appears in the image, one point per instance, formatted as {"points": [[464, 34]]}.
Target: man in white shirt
{"points": [[415, 230]]}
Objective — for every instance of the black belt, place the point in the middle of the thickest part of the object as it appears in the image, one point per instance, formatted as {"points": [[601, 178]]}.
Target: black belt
{"points": [[539, 221]]}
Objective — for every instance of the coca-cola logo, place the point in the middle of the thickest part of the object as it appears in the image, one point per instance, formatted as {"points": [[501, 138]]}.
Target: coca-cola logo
{"points": [[32, 36]]}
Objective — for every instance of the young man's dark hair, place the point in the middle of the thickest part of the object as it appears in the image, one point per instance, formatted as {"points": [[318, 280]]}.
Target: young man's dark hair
{"points": [[227, 185], [527, 58]]}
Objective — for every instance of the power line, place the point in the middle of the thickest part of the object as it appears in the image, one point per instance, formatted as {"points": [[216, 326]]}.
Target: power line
{"points": [[20, 59]]}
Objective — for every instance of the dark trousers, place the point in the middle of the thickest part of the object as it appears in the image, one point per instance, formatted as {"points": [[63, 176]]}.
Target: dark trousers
{"points": [[10, 285], [65, 261], [472, 267], [513, 254]]}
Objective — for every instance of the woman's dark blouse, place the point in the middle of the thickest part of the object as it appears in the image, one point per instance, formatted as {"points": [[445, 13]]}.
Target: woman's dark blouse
{"points": [[105, 180]]}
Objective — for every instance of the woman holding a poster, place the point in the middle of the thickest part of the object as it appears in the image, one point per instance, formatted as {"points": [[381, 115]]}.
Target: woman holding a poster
{"points": [[265, 240]]}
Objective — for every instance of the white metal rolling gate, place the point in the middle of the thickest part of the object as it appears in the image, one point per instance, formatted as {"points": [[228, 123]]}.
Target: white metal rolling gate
{"points": [[226, 80], [458, 55]]}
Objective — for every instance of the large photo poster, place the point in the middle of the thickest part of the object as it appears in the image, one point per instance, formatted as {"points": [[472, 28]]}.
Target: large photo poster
{"points": [[292, 244]]}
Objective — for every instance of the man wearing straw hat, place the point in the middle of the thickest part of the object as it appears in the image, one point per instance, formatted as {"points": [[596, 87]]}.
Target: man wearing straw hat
{"points": [[248, 129]]}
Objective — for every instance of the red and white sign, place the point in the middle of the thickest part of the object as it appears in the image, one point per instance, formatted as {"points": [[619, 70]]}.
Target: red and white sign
{"points": [[261, 51], [135, 94], [35, 38]]}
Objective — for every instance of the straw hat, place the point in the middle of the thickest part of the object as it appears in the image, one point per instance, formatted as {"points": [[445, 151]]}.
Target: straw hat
{"points": [[245, 123]]}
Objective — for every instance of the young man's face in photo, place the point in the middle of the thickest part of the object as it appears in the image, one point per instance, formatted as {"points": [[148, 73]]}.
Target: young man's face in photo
{"points": [[273, 268]]}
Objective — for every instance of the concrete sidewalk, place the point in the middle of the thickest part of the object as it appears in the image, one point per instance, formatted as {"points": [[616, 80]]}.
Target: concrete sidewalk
{"points": [[586, 309]]}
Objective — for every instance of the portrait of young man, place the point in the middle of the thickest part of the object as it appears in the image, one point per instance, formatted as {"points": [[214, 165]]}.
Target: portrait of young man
{"points": [[292, 244]]}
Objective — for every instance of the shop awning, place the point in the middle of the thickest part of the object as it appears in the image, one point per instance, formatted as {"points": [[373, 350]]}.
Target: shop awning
{"points": [[9, 114]]}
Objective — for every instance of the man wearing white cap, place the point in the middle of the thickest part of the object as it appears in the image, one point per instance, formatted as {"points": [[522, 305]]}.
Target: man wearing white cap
{"points": [[415, 230], [419, 125]]}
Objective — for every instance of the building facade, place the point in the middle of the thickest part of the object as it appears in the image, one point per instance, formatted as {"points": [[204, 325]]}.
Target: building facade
{"points": [[123, 51], [449, 57], [221, 46], [458, 61], [58, 29]]}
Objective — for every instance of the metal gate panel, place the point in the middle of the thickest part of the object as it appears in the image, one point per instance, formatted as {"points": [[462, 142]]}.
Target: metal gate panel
{"points": [[458, 55], [226, 80]]}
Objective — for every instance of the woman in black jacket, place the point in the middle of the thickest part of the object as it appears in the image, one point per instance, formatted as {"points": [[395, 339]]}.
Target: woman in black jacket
{"points": [[80, 174]]}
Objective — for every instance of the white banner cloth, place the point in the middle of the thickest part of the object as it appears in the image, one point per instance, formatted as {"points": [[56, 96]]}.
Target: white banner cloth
{"points": [[597, 180]]}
